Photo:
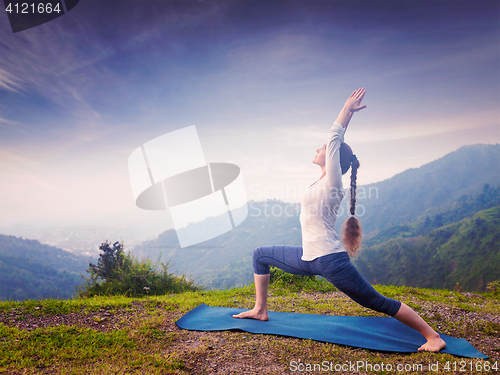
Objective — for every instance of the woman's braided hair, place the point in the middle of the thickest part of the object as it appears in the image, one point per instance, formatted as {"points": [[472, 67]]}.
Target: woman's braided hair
{"points": [[354, 174], [351, 231]]}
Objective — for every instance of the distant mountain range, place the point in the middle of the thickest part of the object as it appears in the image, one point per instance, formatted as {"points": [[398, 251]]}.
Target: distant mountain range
{"points": [[464, 255], [431, 188], [268, 223], [444, 191], [434, 226], [29, 269]]}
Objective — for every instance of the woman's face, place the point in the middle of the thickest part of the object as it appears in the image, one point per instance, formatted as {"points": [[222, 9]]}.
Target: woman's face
{"points": [[319, 159]]}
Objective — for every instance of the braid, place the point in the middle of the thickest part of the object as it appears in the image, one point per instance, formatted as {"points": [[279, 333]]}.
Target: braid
{"points": [[354, 175], [352, 229]]}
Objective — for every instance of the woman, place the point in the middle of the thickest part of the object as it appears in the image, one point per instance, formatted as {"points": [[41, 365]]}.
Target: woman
{"points": [[322, 253]]}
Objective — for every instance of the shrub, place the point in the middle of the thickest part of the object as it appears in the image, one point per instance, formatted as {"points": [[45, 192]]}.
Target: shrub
{"points": [[281, 278], [120, 273], [494, 287]]}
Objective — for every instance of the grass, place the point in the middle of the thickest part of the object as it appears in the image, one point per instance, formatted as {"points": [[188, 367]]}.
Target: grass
{"points": [[138, 336]]}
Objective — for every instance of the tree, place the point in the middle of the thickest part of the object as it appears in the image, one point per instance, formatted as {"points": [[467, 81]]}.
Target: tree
{"points": [[119, 273], [112, 262]]}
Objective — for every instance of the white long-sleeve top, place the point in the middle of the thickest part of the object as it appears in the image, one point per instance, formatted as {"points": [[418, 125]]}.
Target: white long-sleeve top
{"points": [[320, 203]]}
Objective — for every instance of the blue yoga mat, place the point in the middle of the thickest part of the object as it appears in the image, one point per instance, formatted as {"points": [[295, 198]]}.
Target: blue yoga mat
{"points": [[375, 333]]}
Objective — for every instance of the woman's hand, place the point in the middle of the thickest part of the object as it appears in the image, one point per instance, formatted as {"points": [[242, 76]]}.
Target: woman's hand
{"points": [[353, 104]]}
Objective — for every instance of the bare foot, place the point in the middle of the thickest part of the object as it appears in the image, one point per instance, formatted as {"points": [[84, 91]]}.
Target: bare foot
{"points": [[433, 345], [253, 314]]}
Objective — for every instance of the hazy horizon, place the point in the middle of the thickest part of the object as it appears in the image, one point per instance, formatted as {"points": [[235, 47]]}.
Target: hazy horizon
{"points": [[85, 239], [277, 196]]}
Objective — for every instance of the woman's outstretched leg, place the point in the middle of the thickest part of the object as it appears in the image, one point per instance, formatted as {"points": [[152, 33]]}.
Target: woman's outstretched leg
{"points": [[260, 310], [410, 318], [338, 270]]}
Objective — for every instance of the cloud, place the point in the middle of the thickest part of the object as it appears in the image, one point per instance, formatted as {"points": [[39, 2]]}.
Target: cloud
{"points": [[4, 122], [9, 81], [56, 64]]}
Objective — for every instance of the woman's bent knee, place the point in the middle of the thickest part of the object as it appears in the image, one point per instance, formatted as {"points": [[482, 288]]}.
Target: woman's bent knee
{"points": [[258, 267]]}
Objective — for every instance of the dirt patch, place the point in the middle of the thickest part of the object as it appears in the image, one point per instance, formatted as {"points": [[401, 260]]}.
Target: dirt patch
{"points": [[102, 320]]}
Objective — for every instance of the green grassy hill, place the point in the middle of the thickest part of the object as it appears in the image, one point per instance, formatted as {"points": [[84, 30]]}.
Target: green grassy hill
{"points": [[45, 255], [226, 260], [117, 335], [397, 255], [464, 254], [398, 219], [29, 269], [410, 204], [21, 278], [433, 187]]}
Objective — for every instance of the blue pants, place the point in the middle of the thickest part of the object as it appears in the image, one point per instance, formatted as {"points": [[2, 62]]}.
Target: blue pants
{"points": [[336, 268]]}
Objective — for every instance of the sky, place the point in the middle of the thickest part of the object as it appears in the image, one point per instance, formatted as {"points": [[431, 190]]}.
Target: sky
{"points": [[262, 81]]}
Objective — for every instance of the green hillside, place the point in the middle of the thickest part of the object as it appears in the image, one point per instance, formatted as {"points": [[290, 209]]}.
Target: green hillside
{"points": [[22, 279], [43, 254], [29, 269], [431, 188], [465, 254], [410, 204], [464, 207], [398, 218], [226, 260]]}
